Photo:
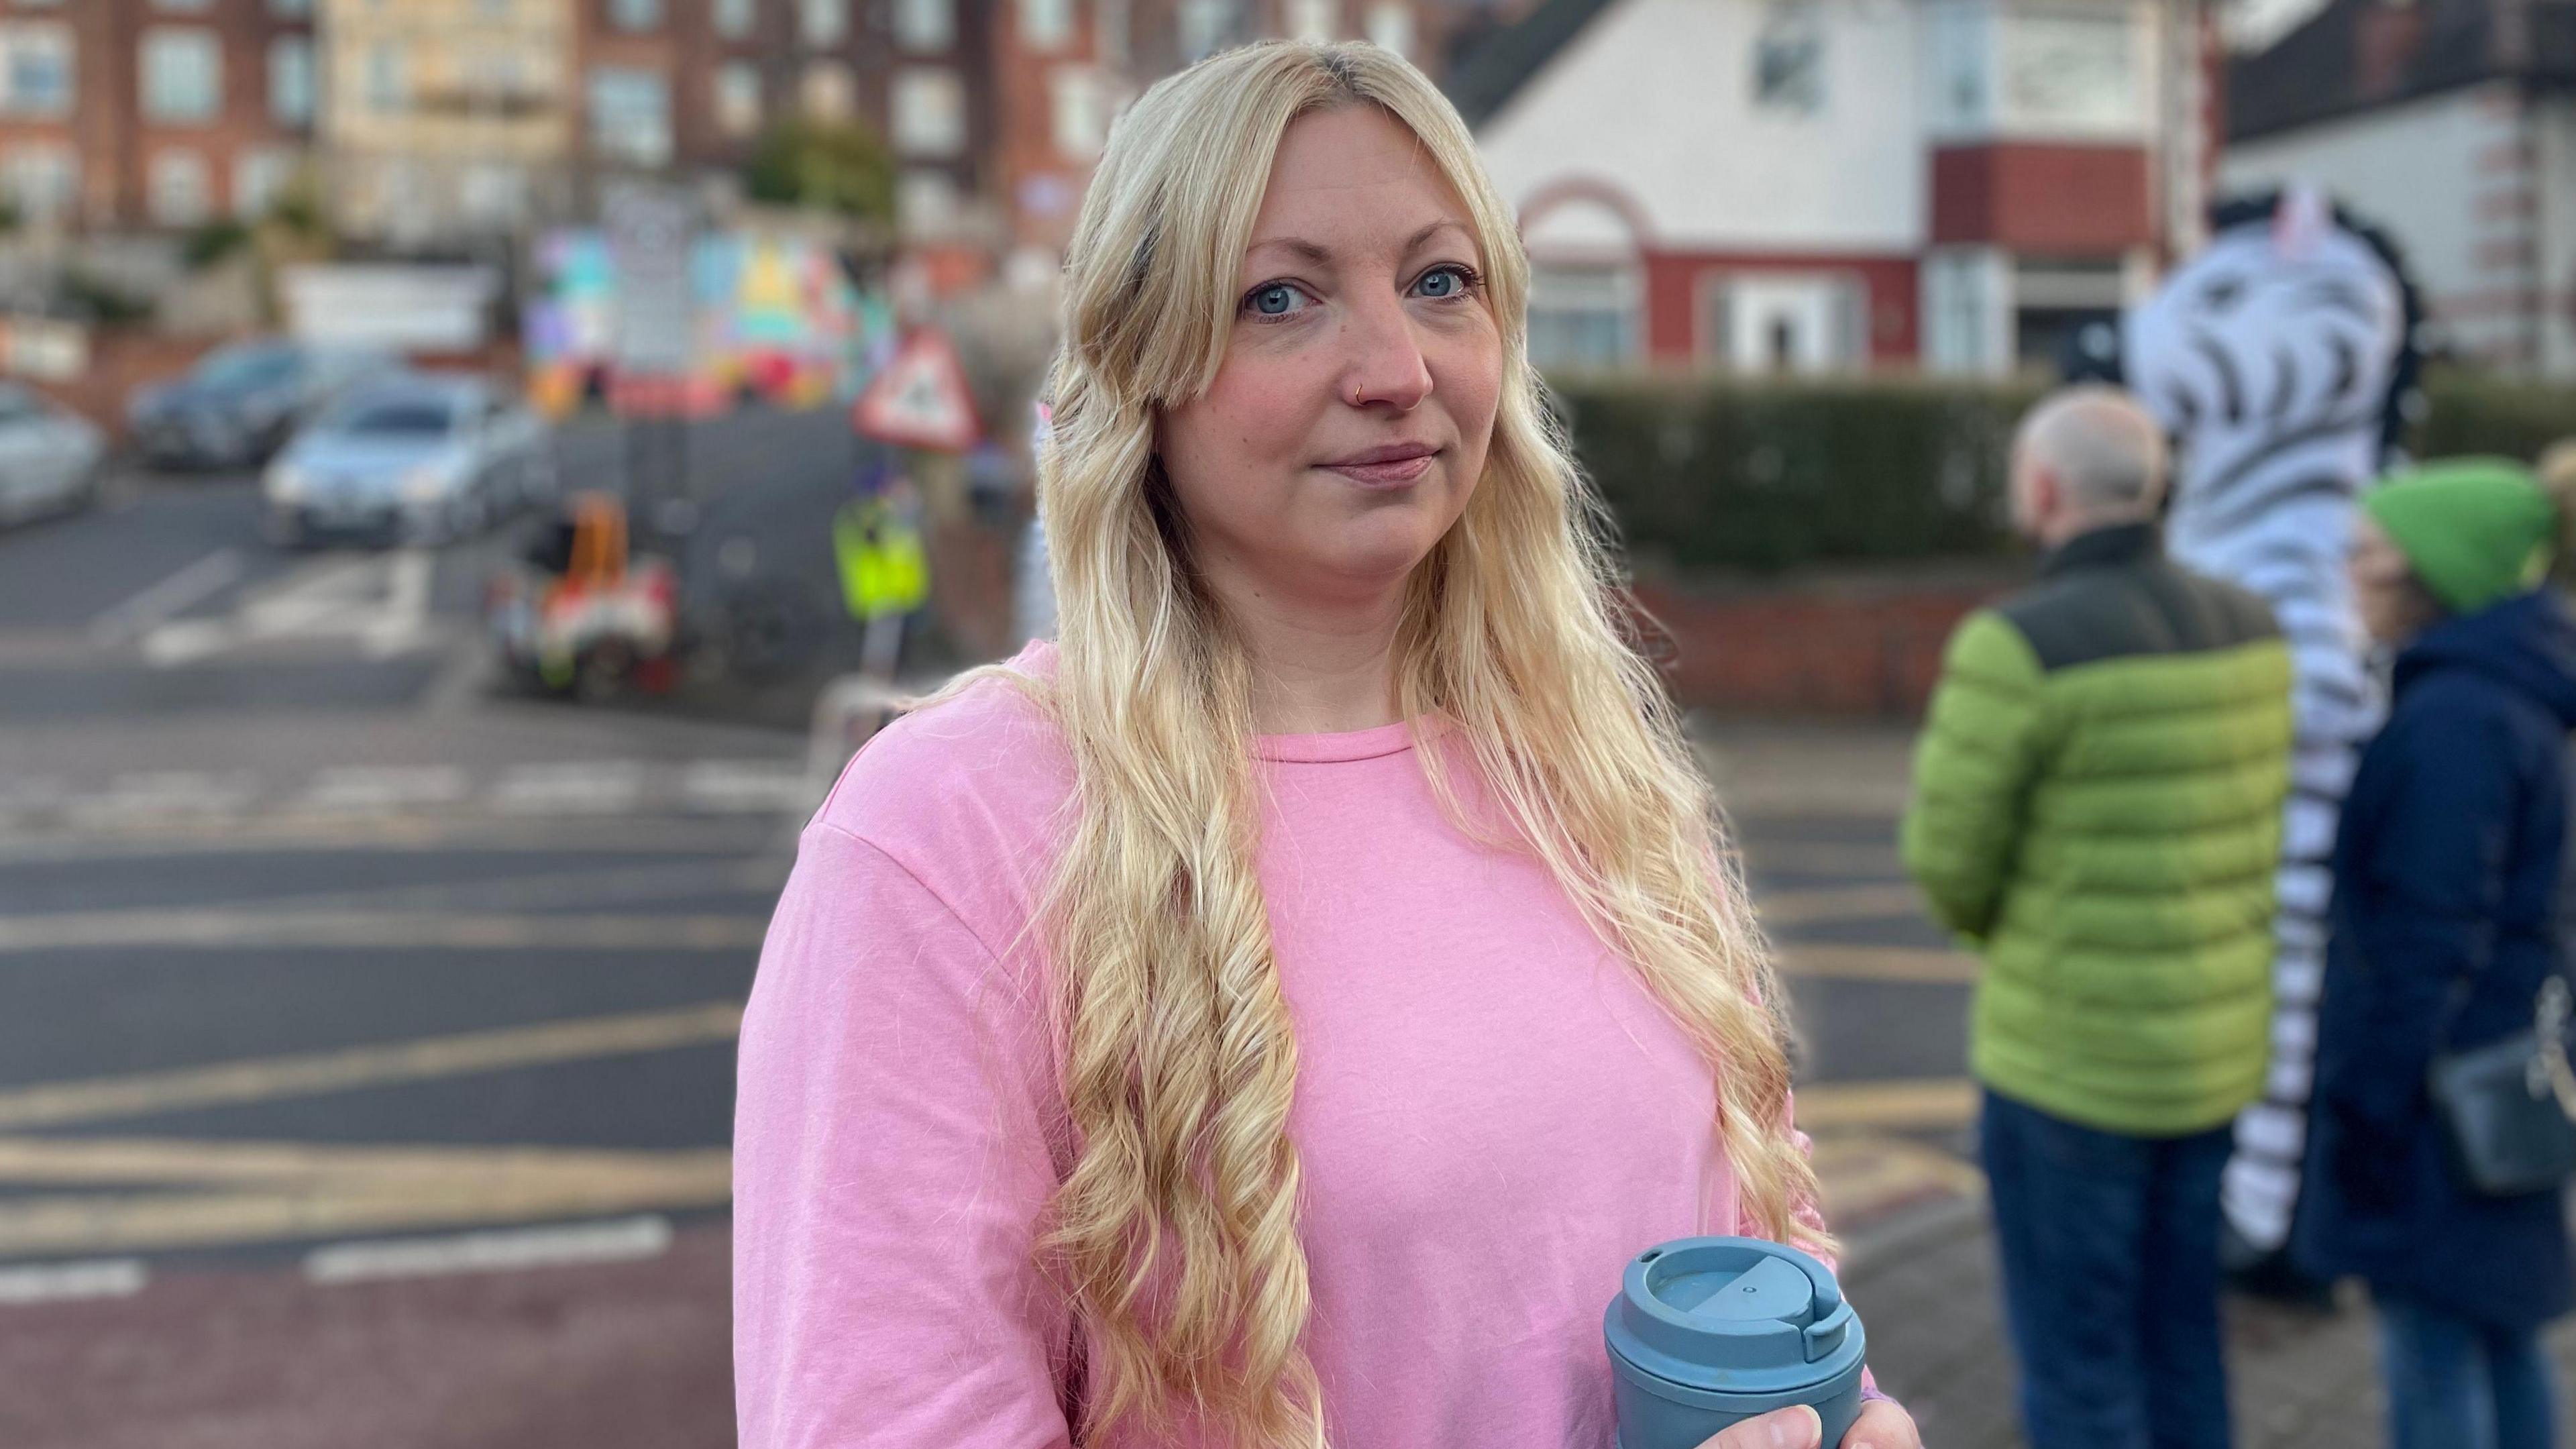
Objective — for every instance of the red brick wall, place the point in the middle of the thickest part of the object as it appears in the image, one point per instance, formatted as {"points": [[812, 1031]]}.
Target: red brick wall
{"points": [[2044, 199], [1869, 648]]}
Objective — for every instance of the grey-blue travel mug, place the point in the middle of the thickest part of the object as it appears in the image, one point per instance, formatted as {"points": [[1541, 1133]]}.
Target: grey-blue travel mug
{"points": [[1709, 1332]]}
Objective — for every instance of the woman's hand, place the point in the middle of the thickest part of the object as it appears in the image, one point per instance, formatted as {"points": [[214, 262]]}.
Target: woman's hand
{"points": [[1881, 1425]]}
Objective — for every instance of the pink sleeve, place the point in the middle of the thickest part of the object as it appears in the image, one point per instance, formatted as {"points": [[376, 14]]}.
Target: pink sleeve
{"points": [[890, 1164]]}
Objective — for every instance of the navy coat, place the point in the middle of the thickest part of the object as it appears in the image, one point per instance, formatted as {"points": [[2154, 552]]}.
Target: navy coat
{"points": [[2445, 923]]}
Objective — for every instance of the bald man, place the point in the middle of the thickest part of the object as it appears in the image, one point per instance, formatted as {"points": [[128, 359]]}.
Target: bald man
{"points": [[2097, 807]]}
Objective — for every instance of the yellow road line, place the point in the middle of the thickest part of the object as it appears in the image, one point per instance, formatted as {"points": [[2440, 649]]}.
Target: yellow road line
{"points": [[1873, 901], [1897, 1105], [334, 1206], [1914, 964], [74, 1161], [269, 1078], [442, 930], [1868, 1177]]}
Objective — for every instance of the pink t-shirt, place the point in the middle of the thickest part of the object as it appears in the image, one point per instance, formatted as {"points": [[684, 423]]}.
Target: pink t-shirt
{"points": [[1491, 1114]]}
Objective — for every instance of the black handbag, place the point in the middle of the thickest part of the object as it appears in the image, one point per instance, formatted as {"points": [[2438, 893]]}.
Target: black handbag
{"points": [[2509, 1107]]}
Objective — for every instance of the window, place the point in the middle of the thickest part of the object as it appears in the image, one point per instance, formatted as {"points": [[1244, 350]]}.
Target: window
{"points": [[492, 9], [929, 113], [1046, 24], [1959, 36], [290, 80], [43, 182], [925, 200], [824, 22], [738, 97], [1081, 116], [1206, 27], [1582, 316], [495, 77], [734, 18], [925, 24], [1789, 60], [37, 79], [290, 9], [1390, 26], [183, 76], [1314, 19], [2070, 71], [181, 4], [830, 92], [182, 194], [494, 193], [635, 14], [387, 87], [630, 115], [258, 176]]}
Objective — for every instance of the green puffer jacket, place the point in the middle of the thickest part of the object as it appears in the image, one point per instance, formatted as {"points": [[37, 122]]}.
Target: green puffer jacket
{"points": [[2097, 807]]}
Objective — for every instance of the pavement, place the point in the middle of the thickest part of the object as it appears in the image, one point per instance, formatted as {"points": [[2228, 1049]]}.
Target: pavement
{"points": [[368, 1072]]}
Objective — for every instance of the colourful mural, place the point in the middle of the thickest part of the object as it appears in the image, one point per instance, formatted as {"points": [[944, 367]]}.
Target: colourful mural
{"points": [[777, 317]]}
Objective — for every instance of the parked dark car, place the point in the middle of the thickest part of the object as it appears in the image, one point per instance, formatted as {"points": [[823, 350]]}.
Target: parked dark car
{"points": [[239, 404]]}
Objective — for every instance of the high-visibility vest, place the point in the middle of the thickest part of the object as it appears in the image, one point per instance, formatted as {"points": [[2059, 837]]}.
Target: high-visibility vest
{"points": [[884, 569]]}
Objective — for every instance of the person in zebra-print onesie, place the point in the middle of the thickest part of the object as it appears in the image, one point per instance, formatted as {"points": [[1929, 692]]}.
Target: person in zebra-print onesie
{"points": [[2280, 357]]}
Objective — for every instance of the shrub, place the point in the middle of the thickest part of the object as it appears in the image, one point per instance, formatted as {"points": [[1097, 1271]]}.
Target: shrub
{"points": [[1723, 473], [1762, 476]]}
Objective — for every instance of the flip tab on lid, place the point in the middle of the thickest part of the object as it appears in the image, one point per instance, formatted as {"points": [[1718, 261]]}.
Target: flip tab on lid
{"points": [[1734, 1315]]}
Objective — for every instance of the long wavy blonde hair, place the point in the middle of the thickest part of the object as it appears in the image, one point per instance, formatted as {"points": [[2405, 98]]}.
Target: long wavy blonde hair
{"points": [[1175, 1232]]}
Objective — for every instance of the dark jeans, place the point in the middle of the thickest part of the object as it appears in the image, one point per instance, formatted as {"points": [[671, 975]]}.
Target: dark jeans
{"points": [[2454, 1384], [2109, 1247]]}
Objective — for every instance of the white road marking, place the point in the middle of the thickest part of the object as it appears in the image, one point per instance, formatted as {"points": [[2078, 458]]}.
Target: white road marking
{"points": [[604, 787], [63, 1282], [163, 794], [379, 603], [382, 789], [189, 586], [746, 786], [403, 623], [507, 1250]]}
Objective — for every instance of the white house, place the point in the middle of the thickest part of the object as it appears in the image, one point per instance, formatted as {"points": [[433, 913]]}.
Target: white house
{"points": [[1823, 185], [2450, 124]]}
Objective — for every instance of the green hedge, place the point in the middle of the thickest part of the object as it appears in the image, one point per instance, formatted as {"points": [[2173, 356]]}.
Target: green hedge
{"points": [[1706, 474], [2474, 414], [1726, 474]]}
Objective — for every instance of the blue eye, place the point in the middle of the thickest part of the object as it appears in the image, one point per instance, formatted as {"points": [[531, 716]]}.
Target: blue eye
{"points": [[1444, 282], [1276, 300]]}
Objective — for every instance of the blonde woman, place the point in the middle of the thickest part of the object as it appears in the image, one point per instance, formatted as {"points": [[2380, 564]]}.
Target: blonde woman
{"points": [[1272, 1015]]}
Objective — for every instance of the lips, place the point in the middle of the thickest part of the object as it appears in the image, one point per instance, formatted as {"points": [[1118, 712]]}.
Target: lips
{"points": [[1388, 466]]}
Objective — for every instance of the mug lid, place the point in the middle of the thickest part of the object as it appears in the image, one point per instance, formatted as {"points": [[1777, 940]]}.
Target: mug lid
{"points": [[1734, 1315]]}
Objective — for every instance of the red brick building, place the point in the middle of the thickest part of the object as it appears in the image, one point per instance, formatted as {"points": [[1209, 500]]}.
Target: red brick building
{"points": [[156, 113]]}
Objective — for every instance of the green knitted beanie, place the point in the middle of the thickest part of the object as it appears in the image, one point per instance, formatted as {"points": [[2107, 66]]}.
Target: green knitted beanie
{"points": [[2475, 530]]}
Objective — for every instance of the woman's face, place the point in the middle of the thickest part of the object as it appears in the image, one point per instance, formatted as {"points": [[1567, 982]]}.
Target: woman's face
{"points": [[2394, 607], [1349, 420]]}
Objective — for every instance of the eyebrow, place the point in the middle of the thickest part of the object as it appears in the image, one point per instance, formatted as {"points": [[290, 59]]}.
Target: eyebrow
{"points": [[1308, 251]]}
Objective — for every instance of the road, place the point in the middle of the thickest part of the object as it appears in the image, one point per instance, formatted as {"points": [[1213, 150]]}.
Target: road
{"points": [[367, 1076]]}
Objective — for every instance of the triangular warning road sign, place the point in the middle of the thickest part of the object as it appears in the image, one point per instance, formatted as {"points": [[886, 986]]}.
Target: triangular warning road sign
{"points": [[921, 400]]}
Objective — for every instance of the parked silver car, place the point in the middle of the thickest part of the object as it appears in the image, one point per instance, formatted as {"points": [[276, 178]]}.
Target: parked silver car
{"points": [[49, 457], [418, 458]]}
